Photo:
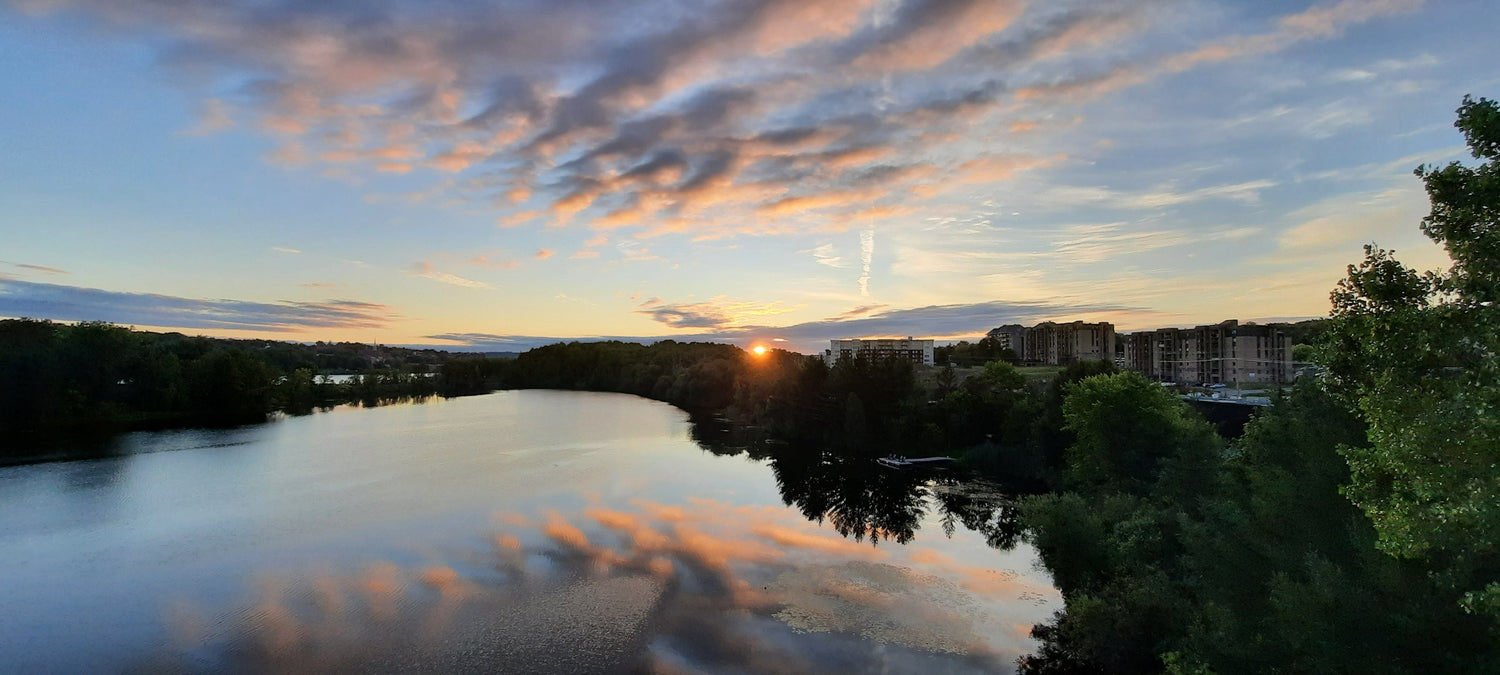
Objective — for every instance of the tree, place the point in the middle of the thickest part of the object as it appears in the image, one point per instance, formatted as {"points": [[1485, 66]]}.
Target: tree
{"points": [[1418, 355], [1465, 216], [1130, 432]]}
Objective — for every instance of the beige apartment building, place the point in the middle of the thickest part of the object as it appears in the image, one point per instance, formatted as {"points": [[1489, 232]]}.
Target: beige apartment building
{"points": [[909, 349], [1221, 353], [1060, 344], [1011, 336]]}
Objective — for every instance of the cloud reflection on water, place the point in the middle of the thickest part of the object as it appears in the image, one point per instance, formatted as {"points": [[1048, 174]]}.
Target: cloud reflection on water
{"points": [[691, 587]]}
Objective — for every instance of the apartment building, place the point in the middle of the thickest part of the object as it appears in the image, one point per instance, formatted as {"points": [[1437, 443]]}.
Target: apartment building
{"points": [[1011, 336], [1222, 353], [1060, 344], [909, 349]]}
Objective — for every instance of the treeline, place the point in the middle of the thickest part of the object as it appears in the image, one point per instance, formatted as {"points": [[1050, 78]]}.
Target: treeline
{"points": [[97, 378], [965, 353], [694, 376]]}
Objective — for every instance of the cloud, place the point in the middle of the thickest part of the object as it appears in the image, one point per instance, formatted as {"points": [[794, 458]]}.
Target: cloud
{"points": [[739, 118], [754, 117], [425, 270], [932, 320], [1163, 196], [1093, 244], [724, 321], [633, 251], [1332, 231], [862, 310], [486, 262], [213, 117], [926, 34], [866, 257], [1316, 23], [72, 303], [689, 315], [283, 249], [35, 268], [825, 255], [1001, 168], [543, 253], [717, 314], [1248, 191]]}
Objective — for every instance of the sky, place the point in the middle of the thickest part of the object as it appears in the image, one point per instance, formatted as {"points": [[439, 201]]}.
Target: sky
{"points": [[496, 175]]}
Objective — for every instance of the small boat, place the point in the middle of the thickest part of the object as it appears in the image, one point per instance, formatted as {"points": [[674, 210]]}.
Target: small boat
{"points": [[903, 462]]}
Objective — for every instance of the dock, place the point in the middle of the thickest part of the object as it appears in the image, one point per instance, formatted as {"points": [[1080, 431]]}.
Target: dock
{"points": [[895, 462]]}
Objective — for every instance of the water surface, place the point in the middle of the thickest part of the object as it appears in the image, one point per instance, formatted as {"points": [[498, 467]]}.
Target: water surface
{"points": [[527, 531]]}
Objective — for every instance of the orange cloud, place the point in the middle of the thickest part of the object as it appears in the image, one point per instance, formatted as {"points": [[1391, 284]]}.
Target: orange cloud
{"points": [[519, 218], [662, 512], [792, 206], [788, 537], [716, 552], [459, 157], [381, 584], [644, 537], [561, 531], [484, 261], [792, 23], [938, 40], [1000, 168]]}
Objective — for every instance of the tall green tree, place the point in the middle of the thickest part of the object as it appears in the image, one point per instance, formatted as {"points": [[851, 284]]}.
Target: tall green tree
{"points": [[1419, 356], [1132, 433]]}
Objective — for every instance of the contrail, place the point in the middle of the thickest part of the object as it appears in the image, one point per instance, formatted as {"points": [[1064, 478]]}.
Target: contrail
{"points": [[866, 253]]}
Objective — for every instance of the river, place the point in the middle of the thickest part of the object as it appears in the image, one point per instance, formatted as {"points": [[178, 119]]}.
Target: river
{"points": [[521, 531]]}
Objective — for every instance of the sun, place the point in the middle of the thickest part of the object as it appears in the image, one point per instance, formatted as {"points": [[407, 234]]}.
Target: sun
{"points": [[760, 350]]}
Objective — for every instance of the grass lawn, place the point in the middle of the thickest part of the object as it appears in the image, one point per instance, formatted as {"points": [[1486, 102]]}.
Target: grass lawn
{"points": [[1040, 372]]}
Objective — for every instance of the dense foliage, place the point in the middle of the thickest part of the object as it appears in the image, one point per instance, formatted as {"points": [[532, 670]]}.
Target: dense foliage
{"points": [[1195, 560], [965, 353], [1419, 356]]}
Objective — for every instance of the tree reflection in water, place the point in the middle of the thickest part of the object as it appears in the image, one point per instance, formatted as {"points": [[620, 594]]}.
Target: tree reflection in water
{"points": [[857, 496], [863, 499]]}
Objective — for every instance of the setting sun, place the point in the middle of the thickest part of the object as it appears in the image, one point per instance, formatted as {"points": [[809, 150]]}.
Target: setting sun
{"points": [[760, 350]]}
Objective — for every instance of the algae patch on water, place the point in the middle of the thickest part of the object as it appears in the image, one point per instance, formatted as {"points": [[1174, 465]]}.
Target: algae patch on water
{"points": [[885, 603]]}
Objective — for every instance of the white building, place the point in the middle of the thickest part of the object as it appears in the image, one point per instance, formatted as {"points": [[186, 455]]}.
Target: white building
{"points": [[909, 349]]}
